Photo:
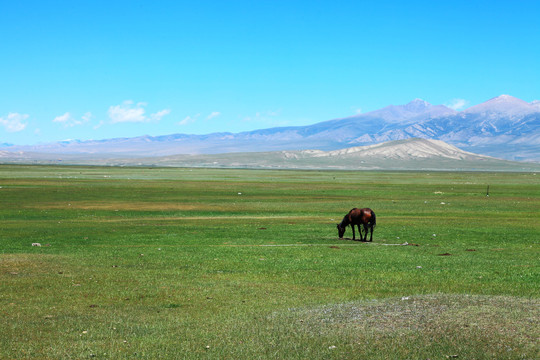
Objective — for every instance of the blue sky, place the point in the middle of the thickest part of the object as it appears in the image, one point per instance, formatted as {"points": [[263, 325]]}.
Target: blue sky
{"points": [[104, 69]]}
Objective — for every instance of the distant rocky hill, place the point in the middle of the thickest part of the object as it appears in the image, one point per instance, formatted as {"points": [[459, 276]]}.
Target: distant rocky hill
{"points": [[503, 127], [410, 154]]}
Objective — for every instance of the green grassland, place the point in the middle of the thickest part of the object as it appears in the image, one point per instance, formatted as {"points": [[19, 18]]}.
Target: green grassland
{"points": [[147, 263]]}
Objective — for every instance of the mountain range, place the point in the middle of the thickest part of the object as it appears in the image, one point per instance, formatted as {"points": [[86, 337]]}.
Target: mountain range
{"points": [[504, 127]]}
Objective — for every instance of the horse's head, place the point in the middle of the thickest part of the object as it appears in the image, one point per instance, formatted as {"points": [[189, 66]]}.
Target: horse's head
{"points": [[341, 230]]}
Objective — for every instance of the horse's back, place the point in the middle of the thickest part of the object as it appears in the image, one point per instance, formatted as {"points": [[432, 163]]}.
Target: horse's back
{"points": [[366, 216], [354, 215]]}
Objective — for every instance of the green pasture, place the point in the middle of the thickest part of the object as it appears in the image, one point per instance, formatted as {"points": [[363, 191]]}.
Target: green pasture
{"points": [[163, 263]]}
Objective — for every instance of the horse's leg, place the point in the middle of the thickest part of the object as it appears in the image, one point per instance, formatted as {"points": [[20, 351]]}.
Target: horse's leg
{"points": [[353, 235], [365, 233], [371, 233]]}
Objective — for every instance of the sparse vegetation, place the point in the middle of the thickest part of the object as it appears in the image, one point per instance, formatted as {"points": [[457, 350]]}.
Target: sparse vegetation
{"points": [[200, 263]]}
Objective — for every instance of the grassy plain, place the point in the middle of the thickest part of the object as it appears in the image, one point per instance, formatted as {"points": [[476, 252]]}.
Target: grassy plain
{"points": [[146, 263]]}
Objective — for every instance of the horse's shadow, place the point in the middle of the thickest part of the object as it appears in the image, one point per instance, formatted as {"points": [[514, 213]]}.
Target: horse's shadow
{"points": [[355, 240]]}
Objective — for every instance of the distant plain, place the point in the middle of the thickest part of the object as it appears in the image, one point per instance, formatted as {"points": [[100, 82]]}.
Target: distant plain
{"points": [[409, 154], [192, 263]]}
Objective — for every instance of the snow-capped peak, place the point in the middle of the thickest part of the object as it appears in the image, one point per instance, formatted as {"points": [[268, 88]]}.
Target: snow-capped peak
{"points": [[417, 105], [503, 105], [412, 111]]}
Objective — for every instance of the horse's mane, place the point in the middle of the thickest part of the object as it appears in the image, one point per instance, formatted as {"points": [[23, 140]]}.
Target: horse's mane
{"points": [[346, 221]]}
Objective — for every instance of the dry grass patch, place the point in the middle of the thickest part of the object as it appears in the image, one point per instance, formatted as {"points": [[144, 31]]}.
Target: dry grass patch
{"points": [[122, 206], [28, 264], [463, 325]]}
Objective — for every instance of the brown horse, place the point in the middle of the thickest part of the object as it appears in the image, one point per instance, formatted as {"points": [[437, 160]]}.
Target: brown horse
{"points": [[365, 217]]}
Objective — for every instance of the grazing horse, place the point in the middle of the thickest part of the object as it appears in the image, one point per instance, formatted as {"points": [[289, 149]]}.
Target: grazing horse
{"points": [[365, 217]]}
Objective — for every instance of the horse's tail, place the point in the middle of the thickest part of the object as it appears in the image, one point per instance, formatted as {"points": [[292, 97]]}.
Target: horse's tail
{"points": [[374, 218]]}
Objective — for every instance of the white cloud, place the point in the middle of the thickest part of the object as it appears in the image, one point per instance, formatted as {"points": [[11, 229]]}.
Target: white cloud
{"points": [[69, 121], [100, 124], [157, 116], [86, 117], [125, 112], [128, 111], [214, 114], [14, 122], [266, 118], [188, 120], [63, 118], [457, 104]]}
